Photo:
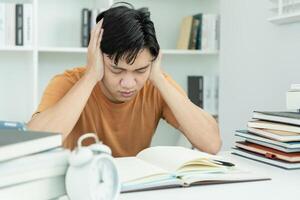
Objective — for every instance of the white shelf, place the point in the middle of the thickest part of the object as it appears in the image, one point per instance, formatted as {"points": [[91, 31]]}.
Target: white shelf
{"points": [[289, 5], [188, 52], [56, 47], [16, 48], [285, 19], [62, 49], [84, 50], [285, 11]]}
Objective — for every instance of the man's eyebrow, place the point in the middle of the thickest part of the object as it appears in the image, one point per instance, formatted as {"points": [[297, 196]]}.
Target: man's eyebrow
{"points": [[116, 67], [143, 67]]}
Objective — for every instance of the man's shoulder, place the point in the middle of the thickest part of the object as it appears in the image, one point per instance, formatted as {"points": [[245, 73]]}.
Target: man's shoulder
{"points": [[72, 75], [75, 73]]}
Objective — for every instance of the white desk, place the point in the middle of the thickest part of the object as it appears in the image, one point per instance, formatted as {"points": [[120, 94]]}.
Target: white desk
{"points": [[285, 184]]}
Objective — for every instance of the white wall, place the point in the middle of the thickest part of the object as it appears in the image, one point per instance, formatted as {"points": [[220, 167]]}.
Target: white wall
{"points": [[258, 62]]}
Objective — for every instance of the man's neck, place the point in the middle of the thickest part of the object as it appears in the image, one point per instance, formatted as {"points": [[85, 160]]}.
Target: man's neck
{"points": [[107, 94]]}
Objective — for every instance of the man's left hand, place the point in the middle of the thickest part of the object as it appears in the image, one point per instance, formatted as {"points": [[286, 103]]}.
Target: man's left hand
{"points": [[156, 72]]}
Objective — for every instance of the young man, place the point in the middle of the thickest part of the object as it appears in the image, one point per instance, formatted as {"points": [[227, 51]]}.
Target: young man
{"points": [[121, 93]]}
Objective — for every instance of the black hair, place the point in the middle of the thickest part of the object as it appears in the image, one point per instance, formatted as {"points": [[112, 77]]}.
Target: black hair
{"points": [[126, 32]]}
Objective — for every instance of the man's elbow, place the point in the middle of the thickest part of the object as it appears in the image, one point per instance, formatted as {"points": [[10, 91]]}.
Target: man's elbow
{"points": [[215, 146]]}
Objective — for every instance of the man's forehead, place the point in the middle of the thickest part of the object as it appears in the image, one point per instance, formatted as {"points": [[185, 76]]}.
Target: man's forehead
{"points": [[138, 63]]}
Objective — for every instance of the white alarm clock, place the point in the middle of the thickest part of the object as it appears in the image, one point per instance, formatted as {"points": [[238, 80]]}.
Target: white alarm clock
{"points": [[92, 174]]}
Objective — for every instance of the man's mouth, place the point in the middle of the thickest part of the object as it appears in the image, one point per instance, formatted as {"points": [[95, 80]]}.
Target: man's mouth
{"points": [[126, 94]]}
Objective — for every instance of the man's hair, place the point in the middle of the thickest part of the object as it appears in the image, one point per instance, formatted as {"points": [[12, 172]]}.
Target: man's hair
{"points": [[126, 32]]}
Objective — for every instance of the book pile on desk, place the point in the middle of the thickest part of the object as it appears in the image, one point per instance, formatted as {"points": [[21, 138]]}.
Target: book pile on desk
{"points": [[32, 164], [271, 137]]}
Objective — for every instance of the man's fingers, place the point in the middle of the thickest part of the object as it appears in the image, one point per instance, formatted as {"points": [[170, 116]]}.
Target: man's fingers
{"points": [[97, 32], [100, 38]]}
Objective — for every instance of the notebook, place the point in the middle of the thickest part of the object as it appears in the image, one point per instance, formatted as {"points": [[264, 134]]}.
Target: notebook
{"points": [[273, 126], [273, 146], [263, 159], [247, 135], [14, 143], [47, 188], [284, 117], [269, 152], [35, 166], [12, 125], [283, 136], [172, 166]]}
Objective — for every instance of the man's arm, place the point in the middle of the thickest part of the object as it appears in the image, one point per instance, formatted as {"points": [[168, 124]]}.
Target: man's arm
{"points": [[198, 126], [63, 115]]}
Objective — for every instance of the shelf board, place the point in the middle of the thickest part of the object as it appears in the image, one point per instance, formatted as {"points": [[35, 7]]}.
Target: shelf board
{"points": [[285, 6], [188, 52], [16, 48], [164, 51], [285, 19], [63, 49]]}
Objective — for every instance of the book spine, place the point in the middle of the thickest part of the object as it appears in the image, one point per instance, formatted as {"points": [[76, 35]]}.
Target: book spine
{"points": [[204, 32], [199, 31], [85, 27], [195, 90], [218, 31], [292, 100], [193, 33], [27, 22], [11, 41], [184, 35], [207, 94], [48, 188], [12, 125], [213, 32], [2, 24], [19, 24]]}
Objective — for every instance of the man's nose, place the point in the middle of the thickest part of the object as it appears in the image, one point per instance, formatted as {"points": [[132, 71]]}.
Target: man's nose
{"points": [[128, 81]]}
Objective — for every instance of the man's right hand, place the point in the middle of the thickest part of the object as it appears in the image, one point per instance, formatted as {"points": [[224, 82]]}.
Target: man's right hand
{"points": [[95, 63]]}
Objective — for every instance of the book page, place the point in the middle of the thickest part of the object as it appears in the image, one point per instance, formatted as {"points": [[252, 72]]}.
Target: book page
{"points": [[171, 158], [132, 169], [234, 175]]}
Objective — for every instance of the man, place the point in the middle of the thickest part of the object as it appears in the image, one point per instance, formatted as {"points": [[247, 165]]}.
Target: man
{"points": [[121, 93]]}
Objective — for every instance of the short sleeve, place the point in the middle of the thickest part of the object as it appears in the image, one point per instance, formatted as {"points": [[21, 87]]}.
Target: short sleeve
{"points": [[167, 114], [58, 86]]}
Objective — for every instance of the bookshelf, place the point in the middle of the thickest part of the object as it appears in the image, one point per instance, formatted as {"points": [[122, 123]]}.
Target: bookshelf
{"points": [[25, 71], [285, 11]]}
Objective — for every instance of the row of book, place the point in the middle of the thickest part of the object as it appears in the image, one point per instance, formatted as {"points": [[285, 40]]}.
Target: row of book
{"points": [[203, 91], [200, 31], [88, 21], [272, 138], [16, 24], [32, 164]]}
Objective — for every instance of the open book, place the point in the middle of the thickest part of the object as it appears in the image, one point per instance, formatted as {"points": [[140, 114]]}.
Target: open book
{"points": [[173, 166]]}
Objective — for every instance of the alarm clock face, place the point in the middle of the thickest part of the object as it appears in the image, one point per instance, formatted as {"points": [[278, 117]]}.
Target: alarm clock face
{"points": [[107, 183]]}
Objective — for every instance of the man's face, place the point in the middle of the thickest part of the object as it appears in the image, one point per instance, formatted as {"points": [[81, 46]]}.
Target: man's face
{"points": [[123, 81]]}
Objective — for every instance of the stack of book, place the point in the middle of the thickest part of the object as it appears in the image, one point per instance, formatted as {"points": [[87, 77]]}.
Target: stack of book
{"points": [[32, 164], [16, 24], [271, 137], [200, 31]]}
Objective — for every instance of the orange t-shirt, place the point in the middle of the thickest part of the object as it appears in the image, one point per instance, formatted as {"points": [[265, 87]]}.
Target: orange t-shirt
{"points": [[127, 128]]}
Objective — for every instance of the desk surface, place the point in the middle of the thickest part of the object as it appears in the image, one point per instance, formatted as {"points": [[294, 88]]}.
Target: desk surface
{"points": [[285, 184]]}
